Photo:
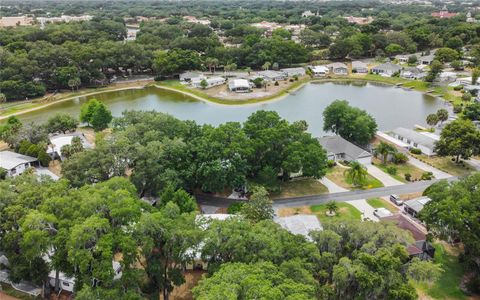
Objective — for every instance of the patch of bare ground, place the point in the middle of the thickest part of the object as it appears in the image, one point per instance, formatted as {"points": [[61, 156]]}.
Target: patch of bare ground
{"points": [[410, 196], [184, 292], [290, 211], [55, 167], [89, 135]]}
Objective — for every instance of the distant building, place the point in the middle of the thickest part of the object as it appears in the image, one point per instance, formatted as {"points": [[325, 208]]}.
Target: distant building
{"points": [[239, 86], [290, 72], [338, 68], [192, 19], [447, 76], [211, 81], [443, 14], [402, 58], [414, 139], [426, 59], [387, 69], [270, 75], [309, 13], [319, 71], [16, 163], [15, 21], [359, 67], [470, 19], [188, 76], [359, 20], [413, 73], [339, 148]]}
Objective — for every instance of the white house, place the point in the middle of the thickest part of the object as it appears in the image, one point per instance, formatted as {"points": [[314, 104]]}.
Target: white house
{"points": [[359, 67], [338, 68], [272, 75], [211, 81], [16, 163], [339, 148], [299, 224], [290, 72], [401, 58], [447, 76], [186, 77], [412, 73], [239, 86], [320, 71], [60, 140], [426, 59], [424, 142], [387, 69]]}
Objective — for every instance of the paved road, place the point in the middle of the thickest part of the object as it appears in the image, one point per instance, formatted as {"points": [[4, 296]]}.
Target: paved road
{"points": [[414, 187]]}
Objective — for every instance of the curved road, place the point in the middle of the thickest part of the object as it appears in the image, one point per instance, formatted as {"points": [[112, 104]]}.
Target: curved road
{"points": [[409, 188]]}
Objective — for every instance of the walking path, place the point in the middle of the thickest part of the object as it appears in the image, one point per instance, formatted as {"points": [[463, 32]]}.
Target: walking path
{"points": [[474, 163], [365, 208], [386, 179], [421, 165], [332, 186]]}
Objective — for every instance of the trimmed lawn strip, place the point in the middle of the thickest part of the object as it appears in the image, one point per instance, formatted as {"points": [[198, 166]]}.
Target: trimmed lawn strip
{"points": [[345, 212], [448, 286], [379, 202], [402, 169], [301, 187], [444, 164], [336, 174]]}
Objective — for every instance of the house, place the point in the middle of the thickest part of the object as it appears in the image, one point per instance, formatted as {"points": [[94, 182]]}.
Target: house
{"points": [[412, 73], [359, 67], [60, 140], [387, 69], [270, 75], [239, 86], [422, 250], [309, 13], [359, 20], [15, 21], [338, 68], [414, 206], [447, 76], [319, 71], [16, 163], [299, 224], [443, 14], [401, 58], [290, 72], [339, 148], [193, 19], [211, 81], [188, 76], [426, 59], [414, 139]]}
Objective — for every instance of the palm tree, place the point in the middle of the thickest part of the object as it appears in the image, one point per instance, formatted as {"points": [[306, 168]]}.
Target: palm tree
{"points": [[266, 65], [332, 207], [384, 150], [357, 173], [432, 120]]}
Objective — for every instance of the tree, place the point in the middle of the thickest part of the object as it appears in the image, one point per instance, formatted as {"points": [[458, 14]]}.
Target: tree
{"points": [[61, 122], [446, 55], [412, 59], [432, 120], [435, 69], [76, 146], [475, 75], [422, 271], [442, 115], [74, 83], [101, 117], [3, 98], [266, 65], [87, 110], [356, 173], [204, 83], [259, 207], [185, 202], [384, 149], [351, 123], [332, 207], [460, 139], [472, 111]]}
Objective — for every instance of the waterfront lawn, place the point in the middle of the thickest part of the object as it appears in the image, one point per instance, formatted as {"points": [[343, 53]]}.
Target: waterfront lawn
{"points": [[300, 187], [345, 212], [445, 164], [336, 174], [402, 169], [448, 286], [379, 203]]}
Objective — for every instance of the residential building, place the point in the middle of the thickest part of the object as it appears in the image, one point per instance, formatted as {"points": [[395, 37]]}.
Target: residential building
{"points": [[239, 86], [359, 20], [447, 76], [270, 75], [187, 76], [193, 19], [387, 69], [309, 13], [290, 72], [338, 68], [299, 224], [414, 139], [443, 14], [319, 71], [211, 81], [60, 140], [415, 206], [359, 67], [471, 19], [426, 59], [412, 73], [15, 21], [16, 163], [339, 148], [401, 58]]}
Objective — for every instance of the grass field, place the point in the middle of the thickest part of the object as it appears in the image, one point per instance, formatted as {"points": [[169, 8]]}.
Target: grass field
{"points": [[302, 187], [379, 202], [447, 287], [345, 212], [402, 169], [336, 174], [445, 164]]}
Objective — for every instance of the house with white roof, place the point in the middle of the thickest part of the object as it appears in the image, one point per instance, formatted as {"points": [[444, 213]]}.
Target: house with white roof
{"points": [[359, 67], [299, 224], [412, 73], [60, 140], [414, 139], [239, 85], [16, 163], [211, 81], [338, 68], [387, 69], [319, 71]]}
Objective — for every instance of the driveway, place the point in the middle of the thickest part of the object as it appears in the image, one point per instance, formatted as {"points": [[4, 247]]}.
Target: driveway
{"points": [[365, 208], [45, 171], [386, 179], [474, 163], [332, 186], [423, 166]]}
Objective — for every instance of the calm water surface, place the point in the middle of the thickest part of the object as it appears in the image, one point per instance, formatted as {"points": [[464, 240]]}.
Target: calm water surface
{"points": [[390, 106]]}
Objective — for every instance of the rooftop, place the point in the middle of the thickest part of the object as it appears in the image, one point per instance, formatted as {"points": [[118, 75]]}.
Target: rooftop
{"points": [[336, 144], [337, 65], [388, 67], [299, 224], [10, 160], [417, 204], [402, 222], [416, 137]]}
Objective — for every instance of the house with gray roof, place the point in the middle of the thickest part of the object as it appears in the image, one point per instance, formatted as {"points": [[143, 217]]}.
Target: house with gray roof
{"points": [[414, 139], [387, 69], [412, 73], [299, 224], [415, 206], [16, 163], [270, 75], [189, 75], [426, 59], [290, 72], [359, 67], [339, 148], [338, 68]]}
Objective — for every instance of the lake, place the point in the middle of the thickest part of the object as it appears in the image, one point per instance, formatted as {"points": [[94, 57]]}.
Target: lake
{"points": [[391, 106]]}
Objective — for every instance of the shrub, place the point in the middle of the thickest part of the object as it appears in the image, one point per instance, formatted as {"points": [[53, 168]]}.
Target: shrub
{"points": [[276, 83], [23, 147], [291, 80], [408, 176], [295, 77], [427, 176], [399, 158], [458, 88], [235, 208], [392, 170], [415, 151], [44, 158], [33, 150], [466, 96], [331, 163], [3, 173], [457, 108]]}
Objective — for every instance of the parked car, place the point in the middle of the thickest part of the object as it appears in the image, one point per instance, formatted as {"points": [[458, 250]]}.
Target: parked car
{"points": [[396, 199], [381, 212]]}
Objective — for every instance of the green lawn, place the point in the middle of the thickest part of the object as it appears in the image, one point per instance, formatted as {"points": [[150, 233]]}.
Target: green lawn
{"points": [[336, 174], [302, 187], [448, 286], [402, 169], [379, 202], [345, 212], [445, 164]]}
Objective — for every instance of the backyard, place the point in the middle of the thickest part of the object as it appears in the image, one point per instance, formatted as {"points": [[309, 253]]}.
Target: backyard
{"points": [[336, 174], [445, 164], [345, 212], [300, 187]]}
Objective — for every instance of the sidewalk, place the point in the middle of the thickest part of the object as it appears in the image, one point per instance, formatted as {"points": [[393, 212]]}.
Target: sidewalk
{"points": [[386, 179]]}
